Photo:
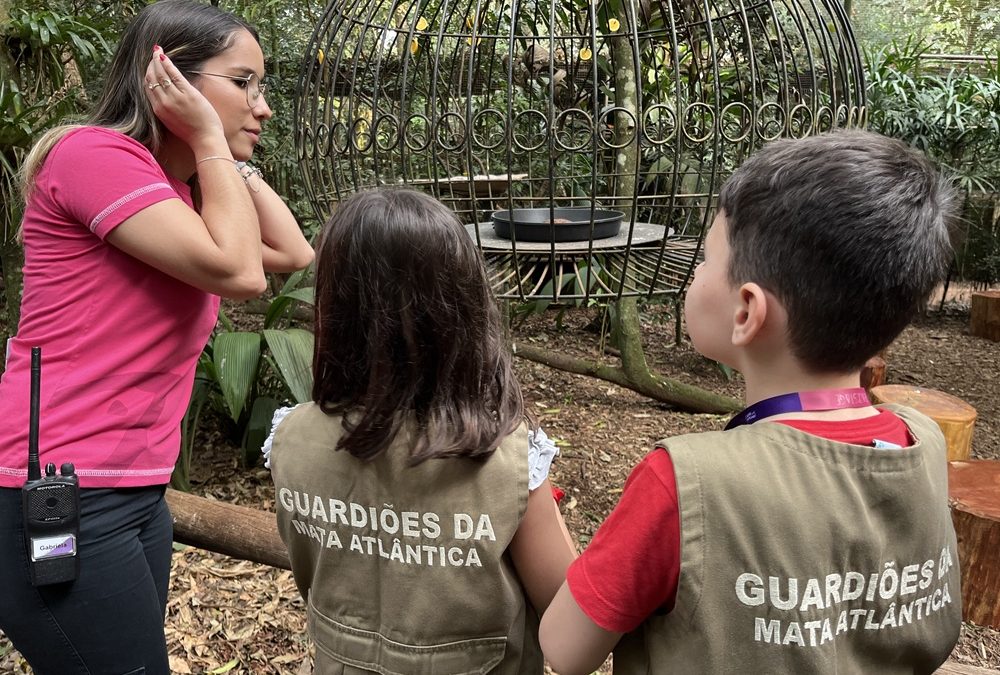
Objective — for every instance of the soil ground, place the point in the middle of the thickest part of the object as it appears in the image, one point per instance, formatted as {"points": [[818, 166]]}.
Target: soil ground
{"points": [[231, 616]]}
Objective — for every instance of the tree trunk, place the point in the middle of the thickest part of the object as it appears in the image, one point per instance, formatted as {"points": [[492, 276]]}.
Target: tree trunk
{"points": [[984, 315], [626, 129], [974, 492], [237, 531]]}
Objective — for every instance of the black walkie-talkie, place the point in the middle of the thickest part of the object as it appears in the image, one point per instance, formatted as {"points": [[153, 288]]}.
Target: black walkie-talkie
{"points": [[51, 504]]}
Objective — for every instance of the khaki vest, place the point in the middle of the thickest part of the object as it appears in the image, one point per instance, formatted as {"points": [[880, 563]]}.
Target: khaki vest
{"points": [[802, 555], [405, 569]]}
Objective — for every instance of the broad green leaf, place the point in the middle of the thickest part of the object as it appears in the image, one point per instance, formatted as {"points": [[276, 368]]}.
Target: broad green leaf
{"points": [[293, 352], [294, 279], [236, 356], [258, 428], [280, 304]]}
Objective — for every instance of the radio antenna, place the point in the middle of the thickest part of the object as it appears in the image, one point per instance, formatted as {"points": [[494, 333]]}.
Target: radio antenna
{"points": [[34, 470]]}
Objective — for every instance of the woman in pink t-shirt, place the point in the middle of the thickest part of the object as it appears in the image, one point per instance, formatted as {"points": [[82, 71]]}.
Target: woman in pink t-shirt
{"points": [[135, 223]]}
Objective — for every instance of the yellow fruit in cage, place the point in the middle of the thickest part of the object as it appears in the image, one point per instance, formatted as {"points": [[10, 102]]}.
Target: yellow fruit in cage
{"points": [[414, 46], [422, 24], [320, 56], [586, 54], [614, 25]]}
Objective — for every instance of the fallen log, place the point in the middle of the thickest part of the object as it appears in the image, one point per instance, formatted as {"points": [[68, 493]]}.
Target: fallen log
{"points": [[955, 668], [237, 531], [974, 495]]}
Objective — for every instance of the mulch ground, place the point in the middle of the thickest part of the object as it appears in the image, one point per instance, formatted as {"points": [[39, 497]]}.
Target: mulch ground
{"points": [[231, 616]]}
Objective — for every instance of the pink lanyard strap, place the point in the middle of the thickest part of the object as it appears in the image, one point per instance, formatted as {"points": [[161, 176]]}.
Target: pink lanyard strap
{"points": [[801, 401]]}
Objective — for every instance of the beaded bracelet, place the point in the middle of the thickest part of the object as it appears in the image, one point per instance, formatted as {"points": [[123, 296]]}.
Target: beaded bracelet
{"points": [[252, 176]]}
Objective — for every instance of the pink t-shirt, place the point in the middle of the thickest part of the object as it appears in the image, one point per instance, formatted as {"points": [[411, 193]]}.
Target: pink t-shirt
{"points": [[120, 340]]}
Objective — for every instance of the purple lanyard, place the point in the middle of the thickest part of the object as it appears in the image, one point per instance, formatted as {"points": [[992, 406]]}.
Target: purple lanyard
{"points": [[801, 401]]}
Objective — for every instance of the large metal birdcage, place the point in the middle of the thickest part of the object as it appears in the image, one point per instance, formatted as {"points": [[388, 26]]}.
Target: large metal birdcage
{"points": [[535, 106]]}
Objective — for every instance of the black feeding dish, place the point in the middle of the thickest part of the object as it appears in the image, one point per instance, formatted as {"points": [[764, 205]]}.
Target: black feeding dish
{"points": [[557, 225]]}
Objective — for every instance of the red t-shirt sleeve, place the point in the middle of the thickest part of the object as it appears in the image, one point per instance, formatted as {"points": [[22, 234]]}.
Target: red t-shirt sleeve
{"points": [[631, 566], [100, 178]]}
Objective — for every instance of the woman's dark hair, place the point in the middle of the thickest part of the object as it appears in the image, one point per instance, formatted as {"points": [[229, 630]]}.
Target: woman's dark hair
{"points": [[189, 32], [407, 331]]}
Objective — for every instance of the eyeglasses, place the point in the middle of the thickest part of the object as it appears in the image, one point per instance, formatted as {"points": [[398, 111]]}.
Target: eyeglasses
{"points": [[255, 87]]}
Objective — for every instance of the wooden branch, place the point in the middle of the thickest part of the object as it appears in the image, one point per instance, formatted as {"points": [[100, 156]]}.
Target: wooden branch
{"points": [[237, 531], [955, 668], [686, 397]]}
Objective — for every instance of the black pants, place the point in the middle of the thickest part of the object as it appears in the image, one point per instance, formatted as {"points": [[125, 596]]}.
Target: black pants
{"points": [[109, 621]]}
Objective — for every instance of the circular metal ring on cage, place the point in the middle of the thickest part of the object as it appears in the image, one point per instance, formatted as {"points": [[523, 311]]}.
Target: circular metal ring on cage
{"points": [[480, 119], [709, 128], [542, 135], [422, 136], [800, 128], [824, 119], [608, 128], [842, 115], [392, 133], [337, 138], [322, 139], [659, 110], [448, 138], [763, 124], [746, 126], [565, 118], [340, 138], [856, 116], [308, 148], [361, 128]]}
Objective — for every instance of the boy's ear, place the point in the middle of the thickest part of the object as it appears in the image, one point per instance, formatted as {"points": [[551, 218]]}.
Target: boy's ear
{"points": [[751, 314]]}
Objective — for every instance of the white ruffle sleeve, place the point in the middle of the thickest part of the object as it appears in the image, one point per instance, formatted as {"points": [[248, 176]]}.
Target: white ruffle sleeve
{"points": [[541, 451], [265, 449]]}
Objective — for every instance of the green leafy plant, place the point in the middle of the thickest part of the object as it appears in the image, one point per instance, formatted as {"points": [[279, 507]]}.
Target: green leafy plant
{"points": [[41, 55], [246, 375], [954, 117]]}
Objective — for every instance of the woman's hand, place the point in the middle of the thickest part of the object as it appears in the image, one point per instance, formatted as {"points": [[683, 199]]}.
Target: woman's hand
{"points": [[179, 105]]}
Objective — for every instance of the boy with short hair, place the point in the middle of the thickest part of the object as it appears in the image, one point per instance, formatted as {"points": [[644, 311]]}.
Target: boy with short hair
{"points": [[813, 535]]}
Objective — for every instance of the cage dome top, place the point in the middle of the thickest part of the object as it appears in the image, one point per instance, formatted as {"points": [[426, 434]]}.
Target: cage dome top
{"points": [[641, 107]]}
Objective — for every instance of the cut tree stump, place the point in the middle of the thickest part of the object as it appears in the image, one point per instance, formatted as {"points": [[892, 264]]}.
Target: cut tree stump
{"points": [[984, 315], [873, 373], [955, 417], [237, 531], [974, 495]]}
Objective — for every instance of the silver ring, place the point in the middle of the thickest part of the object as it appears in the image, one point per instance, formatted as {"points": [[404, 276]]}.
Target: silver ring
{"points": [[152, 86], [165, 82]]}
